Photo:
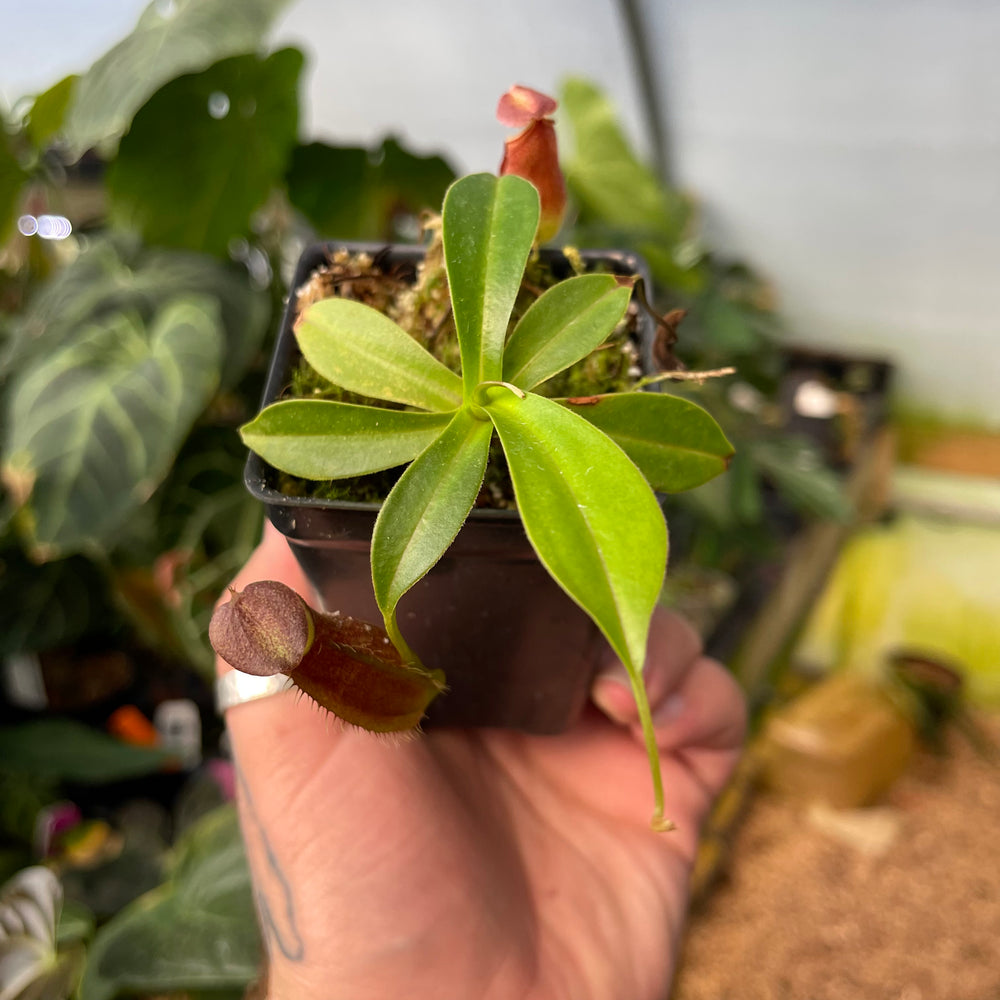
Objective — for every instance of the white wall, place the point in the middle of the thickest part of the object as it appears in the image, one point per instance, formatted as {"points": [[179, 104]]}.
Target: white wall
{"points": [[850, 149]]}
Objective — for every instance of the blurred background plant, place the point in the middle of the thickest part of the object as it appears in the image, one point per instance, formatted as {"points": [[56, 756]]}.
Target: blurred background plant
{"points": [[151, 210]]}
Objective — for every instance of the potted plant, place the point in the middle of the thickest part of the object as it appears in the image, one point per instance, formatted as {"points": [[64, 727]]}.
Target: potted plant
{"points": [[587, 532]]}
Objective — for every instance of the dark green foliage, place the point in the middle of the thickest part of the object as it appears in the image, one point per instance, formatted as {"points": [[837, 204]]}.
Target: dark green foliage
{"points": [[11, 178], [349, 193], [169, 40], [194, 932], [70, 751], [206, 151]]}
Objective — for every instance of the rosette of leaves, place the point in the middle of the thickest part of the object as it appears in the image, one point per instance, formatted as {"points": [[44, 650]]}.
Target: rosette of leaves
{"points": [[583, 471]]}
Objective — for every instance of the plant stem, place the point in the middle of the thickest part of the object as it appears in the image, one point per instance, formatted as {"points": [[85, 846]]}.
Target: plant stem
{"points": [[659, 821], [396, 637]]}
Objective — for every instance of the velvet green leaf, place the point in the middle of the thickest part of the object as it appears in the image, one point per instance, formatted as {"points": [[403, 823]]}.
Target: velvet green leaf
{"points": [[589, 514], [91, 431], [324, 439], [675, 443], [562, 326], [359, 349], [206, 151], [116, 275], [195, 932], [488, 226], [172, 37], [422, 515]]}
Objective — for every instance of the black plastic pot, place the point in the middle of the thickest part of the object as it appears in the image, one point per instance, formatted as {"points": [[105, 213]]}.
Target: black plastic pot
{"points": [[518, 653]]}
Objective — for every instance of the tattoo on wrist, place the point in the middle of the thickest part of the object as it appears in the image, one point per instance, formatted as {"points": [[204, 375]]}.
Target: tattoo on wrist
{"points": [[275, 902]]}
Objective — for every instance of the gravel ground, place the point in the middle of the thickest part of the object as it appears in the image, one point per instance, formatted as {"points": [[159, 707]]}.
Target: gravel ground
{"points": [[897, 902]]}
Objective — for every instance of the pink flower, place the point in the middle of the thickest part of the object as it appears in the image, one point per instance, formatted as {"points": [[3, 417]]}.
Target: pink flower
{"points": [[533, 154]]}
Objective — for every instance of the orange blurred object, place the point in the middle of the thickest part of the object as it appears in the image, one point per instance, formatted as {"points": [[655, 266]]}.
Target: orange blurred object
{"points": [[129, 725]]}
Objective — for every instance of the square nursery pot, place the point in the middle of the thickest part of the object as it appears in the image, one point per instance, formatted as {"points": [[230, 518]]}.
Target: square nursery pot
{"points": [[517, 651]]}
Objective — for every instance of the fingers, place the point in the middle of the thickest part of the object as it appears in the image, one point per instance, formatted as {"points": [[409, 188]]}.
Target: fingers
{"points": [[673, 646]]}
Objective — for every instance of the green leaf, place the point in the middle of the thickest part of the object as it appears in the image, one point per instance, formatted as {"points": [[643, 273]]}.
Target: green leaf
{"points": [[206, 151], [12, 178], [604, 174], [196, 932], [92, 430], [422, 515], [488, 226], [588, 512], [799, 472], [71, 751], [746, 495], [117, 275], [50, 605], [359, 349], [170, 39], [675, 443], [356, 194], [48, 111], [76, 923], [728, 329], [562, 326], [324, 439]]}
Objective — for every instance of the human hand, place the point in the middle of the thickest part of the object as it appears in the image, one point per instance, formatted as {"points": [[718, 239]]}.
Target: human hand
{"points": [[480, 865]]}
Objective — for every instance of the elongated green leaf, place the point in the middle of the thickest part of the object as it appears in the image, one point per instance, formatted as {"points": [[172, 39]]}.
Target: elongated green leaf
{"points": [[170, 39], [359, 349], [92, 430], [563, 325], [488, 225], [590, 515], [605, 175], [425, 510], [324, 439], [197, 931], [71, 751], [206, 151], [675, 443]]}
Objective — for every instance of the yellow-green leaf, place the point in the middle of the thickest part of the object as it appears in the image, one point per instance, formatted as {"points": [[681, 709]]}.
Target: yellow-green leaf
{"points": [[562, 326], [588, 512], [488, 226], [422, 515], [325, 439], [359, 349], [675, 443]]}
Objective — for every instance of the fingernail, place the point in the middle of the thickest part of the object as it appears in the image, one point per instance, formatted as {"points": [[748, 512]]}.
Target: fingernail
{"points": [[669, 710], [612, 693]]}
